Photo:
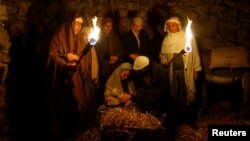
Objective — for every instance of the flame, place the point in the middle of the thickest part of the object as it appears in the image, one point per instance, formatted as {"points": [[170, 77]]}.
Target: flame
{"points": [[188, 47], [94, 35]]}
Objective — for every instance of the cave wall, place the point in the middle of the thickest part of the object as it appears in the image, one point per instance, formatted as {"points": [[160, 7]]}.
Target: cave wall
{"points": [[215, 22], [27, 26]]}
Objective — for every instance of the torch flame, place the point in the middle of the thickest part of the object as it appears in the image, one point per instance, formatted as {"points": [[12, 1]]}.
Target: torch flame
{"points": [[95, 30], [188, 47]]}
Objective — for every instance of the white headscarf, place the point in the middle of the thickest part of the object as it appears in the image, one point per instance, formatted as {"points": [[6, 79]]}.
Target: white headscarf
{"points": [[172, 19], [79, 19], [173, 42]]}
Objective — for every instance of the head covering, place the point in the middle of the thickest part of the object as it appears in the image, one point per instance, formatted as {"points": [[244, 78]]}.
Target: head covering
{"points": [[138, 20], [140, 62], [79, 19], [125, 66], [106, 20], [172, 19]]}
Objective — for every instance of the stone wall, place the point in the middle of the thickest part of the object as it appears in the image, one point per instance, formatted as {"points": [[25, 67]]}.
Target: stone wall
{"points": [[215, 22], [27, 26]]}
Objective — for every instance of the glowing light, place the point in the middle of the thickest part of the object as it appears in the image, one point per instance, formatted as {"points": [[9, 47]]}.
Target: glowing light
{"points": [[188, 47], [94, 35]]}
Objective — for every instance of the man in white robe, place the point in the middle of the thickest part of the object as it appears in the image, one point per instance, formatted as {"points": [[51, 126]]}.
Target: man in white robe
{"points": [[182, 70]]}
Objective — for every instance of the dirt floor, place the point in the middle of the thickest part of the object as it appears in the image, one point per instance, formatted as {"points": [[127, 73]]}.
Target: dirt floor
{"points": [[218, 114]]}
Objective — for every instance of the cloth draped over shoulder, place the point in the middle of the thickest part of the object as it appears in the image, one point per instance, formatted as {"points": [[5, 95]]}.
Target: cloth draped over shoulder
{"points": [[114, 88], [63, 42], [139, 44], [173, 43]]}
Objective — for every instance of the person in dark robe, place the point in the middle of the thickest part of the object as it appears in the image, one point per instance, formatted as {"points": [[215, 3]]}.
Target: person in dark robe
{"points": [[136, 41], [70, 81], [109, 53], [151, 86]]}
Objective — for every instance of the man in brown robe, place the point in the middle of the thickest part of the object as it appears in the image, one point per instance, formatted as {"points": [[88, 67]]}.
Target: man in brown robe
{"points": [[69, 100]]}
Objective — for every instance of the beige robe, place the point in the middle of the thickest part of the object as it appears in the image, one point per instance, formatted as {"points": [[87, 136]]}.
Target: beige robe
{"points": [[114, 88], [174, 43]]}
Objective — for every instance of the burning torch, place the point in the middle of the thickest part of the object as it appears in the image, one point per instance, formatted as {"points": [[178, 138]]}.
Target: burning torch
{"points": [[92, 39], [188, 47]]}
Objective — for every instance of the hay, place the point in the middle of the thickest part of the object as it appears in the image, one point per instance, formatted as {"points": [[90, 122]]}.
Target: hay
{"points": [[129, 118]]}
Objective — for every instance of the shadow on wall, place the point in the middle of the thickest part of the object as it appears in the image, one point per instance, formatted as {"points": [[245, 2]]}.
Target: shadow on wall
{"points": [[25, 102]]}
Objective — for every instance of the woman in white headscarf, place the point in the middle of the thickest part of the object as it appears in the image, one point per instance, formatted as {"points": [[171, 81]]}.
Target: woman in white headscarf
{"points": [[182, 70]]}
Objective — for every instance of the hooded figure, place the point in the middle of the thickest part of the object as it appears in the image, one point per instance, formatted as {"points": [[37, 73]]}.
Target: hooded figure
{"points": [[70, 85], [136, 41], [119, 88], [183, 70]]}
